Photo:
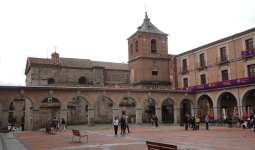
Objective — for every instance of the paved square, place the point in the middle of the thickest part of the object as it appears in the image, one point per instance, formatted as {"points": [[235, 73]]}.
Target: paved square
{"points": [[102, 138]]}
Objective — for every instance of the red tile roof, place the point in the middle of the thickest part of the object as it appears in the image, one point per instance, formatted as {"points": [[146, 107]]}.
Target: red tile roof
{"points": [[80, 63]]}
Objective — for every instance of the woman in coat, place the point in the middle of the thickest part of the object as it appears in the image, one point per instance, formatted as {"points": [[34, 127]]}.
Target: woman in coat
{"points": [[197, 123], [122, 123]]}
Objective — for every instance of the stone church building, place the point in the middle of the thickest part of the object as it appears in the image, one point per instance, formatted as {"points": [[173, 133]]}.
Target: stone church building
{"points": [[149, 65]]}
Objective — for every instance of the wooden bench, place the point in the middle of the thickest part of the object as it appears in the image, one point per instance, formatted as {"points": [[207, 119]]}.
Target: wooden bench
{"points": [[160, 146], [49, 129], [77, 133]]}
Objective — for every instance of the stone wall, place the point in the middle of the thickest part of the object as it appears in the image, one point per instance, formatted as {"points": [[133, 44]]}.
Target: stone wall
{"points": [[39, 75], [103, 111], [77, 112], [116, 76]]}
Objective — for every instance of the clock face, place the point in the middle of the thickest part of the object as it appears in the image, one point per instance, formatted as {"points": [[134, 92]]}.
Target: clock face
{"points": [[163, 41]]}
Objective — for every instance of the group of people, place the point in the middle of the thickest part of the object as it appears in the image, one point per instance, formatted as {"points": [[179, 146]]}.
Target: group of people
{"points": [[154, 121], [56, 124], [123, 123], [249, 123], [194, 122]]}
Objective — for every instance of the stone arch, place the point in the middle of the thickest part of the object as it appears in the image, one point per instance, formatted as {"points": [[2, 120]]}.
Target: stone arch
{"points": [[221, 93], [147, 97], [245, 94], [70, 98], [168, 97], [128, 96], [202, 94], [26, 96], [188, 98], [104, 95], [54, 96]]}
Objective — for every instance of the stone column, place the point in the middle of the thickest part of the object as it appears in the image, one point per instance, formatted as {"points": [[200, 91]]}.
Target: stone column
{"points": [[91, 116], [139, 115], [115, 112], [159, 114], [177, 116], [5, 119], [240, 111], [217, 113], [36, 120]]}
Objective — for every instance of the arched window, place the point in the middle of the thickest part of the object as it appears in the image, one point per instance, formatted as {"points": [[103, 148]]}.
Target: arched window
{"points": [[51, 80], [131, 49], [136, 46], [82, 80], [153, 46]]}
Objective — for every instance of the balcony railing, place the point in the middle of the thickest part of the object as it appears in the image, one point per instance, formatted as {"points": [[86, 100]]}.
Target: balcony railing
{"points": [[224, 77], [12, 119], [182, 69], [201, 64], [222, 59]]}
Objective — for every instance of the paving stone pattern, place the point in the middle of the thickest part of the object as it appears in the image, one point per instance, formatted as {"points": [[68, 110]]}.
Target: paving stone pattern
{"points": [[103, 138]]}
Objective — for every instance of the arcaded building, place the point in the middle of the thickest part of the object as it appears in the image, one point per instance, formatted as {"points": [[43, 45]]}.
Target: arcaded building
{"points": [[211, 78]]}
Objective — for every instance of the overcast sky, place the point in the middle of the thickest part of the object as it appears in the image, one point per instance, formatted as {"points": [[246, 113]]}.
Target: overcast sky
{"points": [[98, 30]]}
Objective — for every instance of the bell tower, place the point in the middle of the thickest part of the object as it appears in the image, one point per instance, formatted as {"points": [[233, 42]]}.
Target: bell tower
{"points": [[148, 57]]}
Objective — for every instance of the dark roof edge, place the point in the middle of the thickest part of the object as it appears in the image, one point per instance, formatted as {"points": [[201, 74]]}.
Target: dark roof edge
{"points": [[217, 42]]}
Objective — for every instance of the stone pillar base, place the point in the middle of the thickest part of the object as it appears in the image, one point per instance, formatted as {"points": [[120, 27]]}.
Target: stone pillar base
{"points": [[139, 119]]}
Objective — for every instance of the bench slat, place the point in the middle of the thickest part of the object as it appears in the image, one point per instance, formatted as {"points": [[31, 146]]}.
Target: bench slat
{"points": [[160, 146]]}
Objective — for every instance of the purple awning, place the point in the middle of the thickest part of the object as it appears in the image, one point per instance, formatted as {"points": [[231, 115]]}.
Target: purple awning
{"points": [[221, 84]]}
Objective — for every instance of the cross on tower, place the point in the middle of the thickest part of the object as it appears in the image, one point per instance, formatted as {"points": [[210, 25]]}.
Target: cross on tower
{"points": [[55, 49], [145, 8]]}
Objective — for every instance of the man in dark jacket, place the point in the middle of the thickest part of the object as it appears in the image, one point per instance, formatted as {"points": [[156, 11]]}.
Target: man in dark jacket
{"points": [[185, 120], [55, 123], [193, 120]]}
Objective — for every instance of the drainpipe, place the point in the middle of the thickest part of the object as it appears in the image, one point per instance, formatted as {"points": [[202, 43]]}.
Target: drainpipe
{"points": [[194, 68], [236, 76]]}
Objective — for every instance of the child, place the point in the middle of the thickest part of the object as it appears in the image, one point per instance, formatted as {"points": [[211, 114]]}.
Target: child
{"points": [[58, 127]]}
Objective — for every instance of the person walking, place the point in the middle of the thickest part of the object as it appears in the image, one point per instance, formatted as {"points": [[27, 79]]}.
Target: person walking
{"points": [[126, 125], [197, 123], [152, 118], [153, 121], [185, 120], [115, 123], [193, 120], [207, 122], [122, 124], [188, 121], [230, 121], [63, 124], [55, 123], [156, 121], [253, 123], [238, 121]]}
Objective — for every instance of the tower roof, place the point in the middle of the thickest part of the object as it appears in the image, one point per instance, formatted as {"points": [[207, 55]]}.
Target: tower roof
{"points": [[147, 26]]}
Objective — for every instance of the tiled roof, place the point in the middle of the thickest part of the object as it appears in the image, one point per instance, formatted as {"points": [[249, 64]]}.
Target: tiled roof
{"points": [[80, 63]]}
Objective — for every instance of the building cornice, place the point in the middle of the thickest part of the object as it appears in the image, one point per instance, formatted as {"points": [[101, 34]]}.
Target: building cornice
{"points": [[148, 57]]}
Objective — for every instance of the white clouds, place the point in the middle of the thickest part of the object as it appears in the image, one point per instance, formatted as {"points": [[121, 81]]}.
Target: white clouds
{"points": [[98, 30]]}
